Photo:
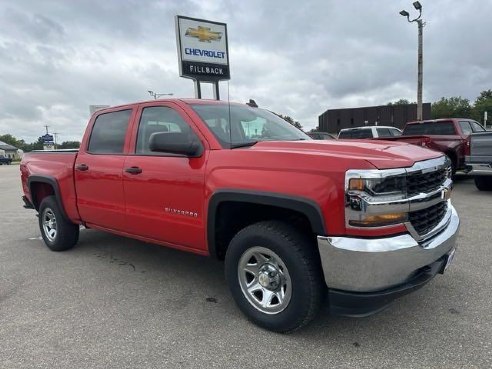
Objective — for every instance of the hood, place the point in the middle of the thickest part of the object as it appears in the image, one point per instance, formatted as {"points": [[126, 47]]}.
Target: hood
{"points": [[381, 154]]}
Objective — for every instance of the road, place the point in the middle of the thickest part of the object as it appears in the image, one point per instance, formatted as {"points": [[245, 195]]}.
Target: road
{"points": [[113, 302]]}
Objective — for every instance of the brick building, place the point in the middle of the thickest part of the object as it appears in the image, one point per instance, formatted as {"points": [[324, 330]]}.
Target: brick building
{"points": [[333, 120]]}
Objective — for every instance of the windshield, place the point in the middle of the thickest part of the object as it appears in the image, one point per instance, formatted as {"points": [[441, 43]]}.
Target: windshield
{"points": [[249, 125]]}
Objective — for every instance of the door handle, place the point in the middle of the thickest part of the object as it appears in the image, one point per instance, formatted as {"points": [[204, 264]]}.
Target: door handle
{"points": [[133, 170], [82, 167]]}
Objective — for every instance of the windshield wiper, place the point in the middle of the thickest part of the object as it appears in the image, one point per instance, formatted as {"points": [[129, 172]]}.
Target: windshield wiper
{"points": [[243, 144]]}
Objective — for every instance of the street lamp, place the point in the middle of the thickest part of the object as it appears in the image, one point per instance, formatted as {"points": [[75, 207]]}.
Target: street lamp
{"points": [[156, 95], [420, 73]]}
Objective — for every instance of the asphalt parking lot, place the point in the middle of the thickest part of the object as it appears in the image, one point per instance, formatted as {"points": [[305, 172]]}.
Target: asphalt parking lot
{"points": [[118, 303]]}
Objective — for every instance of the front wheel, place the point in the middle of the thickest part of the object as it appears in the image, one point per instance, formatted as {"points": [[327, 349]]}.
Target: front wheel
{"points": [[274, 274], [58, 233], [483, 183]]}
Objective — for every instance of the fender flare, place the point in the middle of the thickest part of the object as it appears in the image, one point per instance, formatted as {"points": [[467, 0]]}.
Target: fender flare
{"points": [[305, 206], [56, 189]]}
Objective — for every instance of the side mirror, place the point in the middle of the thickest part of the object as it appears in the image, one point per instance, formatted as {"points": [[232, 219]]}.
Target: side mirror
{"points": [[175, 143]]}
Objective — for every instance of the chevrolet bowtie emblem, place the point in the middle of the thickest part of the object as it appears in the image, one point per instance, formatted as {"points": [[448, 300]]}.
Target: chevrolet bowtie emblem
{"points": [[203, 34]]}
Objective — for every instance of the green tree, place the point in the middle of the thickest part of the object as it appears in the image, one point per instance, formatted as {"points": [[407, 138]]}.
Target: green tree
{"points": [[452, 107], [400, 102], [9, 139], [69, 145], [288, 119], [483, 103]]}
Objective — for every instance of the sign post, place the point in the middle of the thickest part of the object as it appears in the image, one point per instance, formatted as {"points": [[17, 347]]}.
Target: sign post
{"points": [[203, 52]]}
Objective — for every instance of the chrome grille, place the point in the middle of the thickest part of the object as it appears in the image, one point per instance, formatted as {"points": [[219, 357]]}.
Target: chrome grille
{"points": [[425, 182], [427, 219]]}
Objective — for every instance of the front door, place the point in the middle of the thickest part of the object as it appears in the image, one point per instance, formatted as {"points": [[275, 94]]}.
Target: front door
{"points": [[164, 193]]}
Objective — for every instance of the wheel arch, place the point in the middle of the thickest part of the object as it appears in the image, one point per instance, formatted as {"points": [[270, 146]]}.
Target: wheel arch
{"points": [[42, 186], [286, 204]]}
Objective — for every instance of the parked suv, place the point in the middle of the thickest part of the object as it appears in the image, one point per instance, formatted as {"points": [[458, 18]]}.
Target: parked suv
{"points": [[5, 160], [369, 132]]}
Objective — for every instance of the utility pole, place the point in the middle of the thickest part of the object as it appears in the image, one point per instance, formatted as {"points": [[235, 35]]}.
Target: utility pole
{"points": [[420, 72], [46, 126], [420, 55]]}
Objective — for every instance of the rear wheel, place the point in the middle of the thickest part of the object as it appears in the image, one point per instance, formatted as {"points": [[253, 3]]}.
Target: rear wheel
{"points": [[483, 183], [274, 275], [58, 233]]}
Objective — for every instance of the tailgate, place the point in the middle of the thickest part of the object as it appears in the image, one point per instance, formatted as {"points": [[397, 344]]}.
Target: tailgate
{"points": [[481, 147]]}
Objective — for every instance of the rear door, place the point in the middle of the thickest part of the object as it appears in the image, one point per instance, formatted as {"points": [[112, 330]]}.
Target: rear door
{"points": [[99, 171], [165, 192]]}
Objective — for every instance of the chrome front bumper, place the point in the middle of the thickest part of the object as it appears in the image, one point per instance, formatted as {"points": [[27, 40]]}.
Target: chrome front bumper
{"points": [[366, 265]]}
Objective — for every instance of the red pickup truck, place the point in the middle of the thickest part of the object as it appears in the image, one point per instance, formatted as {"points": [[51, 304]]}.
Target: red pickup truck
{"points": [[450, 136], [297, 221]]}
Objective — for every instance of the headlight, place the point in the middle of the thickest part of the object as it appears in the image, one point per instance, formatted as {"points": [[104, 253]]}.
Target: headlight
{"points": [[379, 186], [378, 198], [370, 186]]}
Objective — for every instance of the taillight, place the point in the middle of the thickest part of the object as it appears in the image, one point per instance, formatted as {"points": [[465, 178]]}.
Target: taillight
{"points": [[425, 141], [467, 145]]}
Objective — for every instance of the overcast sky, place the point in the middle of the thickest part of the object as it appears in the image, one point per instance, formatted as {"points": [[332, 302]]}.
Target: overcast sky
{"points": [[297, 58]]}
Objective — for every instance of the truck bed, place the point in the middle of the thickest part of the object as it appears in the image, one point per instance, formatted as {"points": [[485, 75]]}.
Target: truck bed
{"points": [[47, 164]]}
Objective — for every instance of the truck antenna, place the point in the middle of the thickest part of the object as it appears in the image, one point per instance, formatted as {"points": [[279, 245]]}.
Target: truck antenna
{"points": [[230, 123]]}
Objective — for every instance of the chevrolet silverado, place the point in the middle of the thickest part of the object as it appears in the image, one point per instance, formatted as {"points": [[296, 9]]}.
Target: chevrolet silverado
{"points": [[299, 223]]}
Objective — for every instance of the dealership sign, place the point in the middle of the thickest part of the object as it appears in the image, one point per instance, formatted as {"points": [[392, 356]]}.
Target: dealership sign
{"points": [[202, 49]]}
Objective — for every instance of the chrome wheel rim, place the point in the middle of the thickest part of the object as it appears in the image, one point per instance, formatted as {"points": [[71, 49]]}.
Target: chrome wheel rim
{"points": [[264, 280], [49, 224]]}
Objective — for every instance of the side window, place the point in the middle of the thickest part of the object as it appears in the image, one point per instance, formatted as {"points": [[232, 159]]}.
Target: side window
{"points": [[465, 127], [108, 133], [158, 119], [477, 127], [395, 133], [384, 132]]}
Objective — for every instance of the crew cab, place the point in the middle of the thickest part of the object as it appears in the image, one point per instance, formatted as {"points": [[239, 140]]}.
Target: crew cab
{"points": [[448, 135], [298, 222]]}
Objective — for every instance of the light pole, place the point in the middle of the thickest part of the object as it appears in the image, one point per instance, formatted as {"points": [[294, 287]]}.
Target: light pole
{"points": [[156, 95], [56, 138], [420, 73]]}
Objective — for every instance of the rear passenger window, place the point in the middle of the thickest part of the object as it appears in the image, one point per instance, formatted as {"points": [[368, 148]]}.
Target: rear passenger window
{"points": [[108, 133], [465, 127], [158, 119]]}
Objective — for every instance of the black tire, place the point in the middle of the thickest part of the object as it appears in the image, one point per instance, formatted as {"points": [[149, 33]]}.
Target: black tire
{"points": [[483, 183], [60, 234], [301, 259]]}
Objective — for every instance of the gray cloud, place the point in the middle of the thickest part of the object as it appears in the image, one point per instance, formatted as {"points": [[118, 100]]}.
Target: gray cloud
{"points": [[295, 58]]}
